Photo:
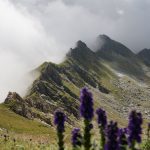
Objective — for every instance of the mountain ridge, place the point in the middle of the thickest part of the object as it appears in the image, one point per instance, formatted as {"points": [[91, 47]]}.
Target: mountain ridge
{"points": [[58, 86]]}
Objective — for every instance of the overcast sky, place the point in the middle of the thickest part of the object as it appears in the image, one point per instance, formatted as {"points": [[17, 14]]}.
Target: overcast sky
{"points": [[34, 31]]}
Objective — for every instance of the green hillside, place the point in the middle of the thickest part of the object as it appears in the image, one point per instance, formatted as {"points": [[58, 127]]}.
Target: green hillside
{"points": [[18, 124]]}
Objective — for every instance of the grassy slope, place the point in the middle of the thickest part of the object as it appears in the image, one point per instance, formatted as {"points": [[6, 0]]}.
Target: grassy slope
{"points": [[16, 123], [22, 130]]}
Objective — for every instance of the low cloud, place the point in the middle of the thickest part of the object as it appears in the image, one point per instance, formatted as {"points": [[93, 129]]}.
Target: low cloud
{"points": [[24, 44]]}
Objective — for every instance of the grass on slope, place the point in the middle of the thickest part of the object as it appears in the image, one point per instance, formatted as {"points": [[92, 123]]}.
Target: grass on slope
{"points": [[16, 123], [22, 129]]}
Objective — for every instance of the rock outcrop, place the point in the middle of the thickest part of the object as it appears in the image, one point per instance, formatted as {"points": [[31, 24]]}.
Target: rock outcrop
{"points": [[29, 108]]}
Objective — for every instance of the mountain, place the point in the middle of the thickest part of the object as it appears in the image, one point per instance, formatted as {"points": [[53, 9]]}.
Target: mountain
{"points": [[144, 55], [111, 47], [112, 73], [58, 86], [119, 57]]}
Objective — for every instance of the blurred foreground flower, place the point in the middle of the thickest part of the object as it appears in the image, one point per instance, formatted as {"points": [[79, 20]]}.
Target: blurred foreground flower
{"points": [[59, 121], [134, 129], [87, 112], [102, 122], [122, 139], [76, 138], [111, 136]]}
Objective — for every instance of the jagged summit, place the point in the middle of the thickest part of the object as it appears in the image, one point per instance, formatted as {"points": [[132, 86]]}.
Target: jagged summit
{"points": [[110, 46], [119, 56], [81, 53], [13, 96], [80, 44], [104, 37]]}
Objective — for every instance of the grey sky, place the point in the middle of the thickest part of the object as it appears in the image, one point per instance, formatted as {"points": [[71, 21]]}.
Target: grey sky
{"points": [[34, 31], [123, 20]]}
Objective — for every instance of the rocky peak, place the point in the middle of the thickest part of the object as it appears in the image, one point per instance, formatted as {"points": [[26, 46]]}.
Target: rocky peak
{"points": [[25, 107], [13, 96], [104, 37], [119, 56], [81, 52], [110, 46], [81, 44]]}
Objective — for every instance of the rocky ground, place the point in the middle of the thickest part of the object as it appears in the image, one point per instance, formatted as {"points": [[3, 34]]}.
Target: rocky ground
{"points": [[131, 94]]}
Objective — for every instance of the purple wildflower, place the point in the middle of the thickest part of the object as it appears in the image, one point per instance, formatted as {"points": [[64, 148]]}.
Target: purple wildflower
{"points": [[102, 118], [76, 138], [122, 139], [86, 107], [59, 120], [112, 135], [87, 112], [134, 128], [102, 122]]}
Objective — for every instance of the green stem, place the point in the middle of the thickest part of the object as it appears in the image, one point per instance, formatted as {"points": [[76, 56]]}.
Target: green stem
{"points": [[76, 148], [148, 133], [102, 140], [133, 146], [87, 135], [60, 140]]}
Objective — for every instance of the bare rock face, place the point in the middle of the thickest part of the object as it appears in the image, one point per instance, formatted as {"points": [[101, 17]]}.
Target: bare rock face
{"points": [[28, 108], [13, 96], [18, 104]]}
